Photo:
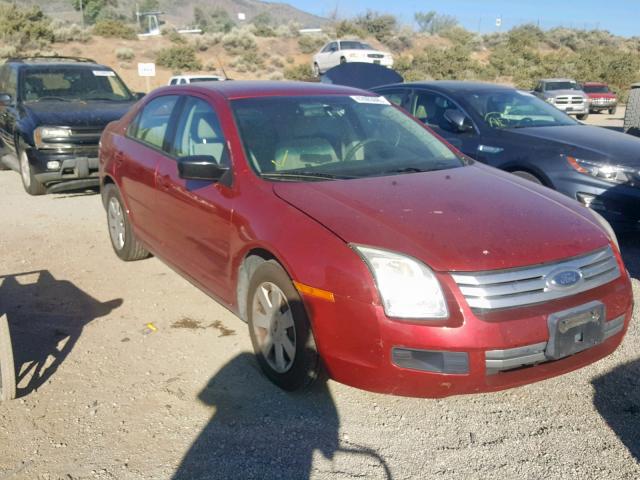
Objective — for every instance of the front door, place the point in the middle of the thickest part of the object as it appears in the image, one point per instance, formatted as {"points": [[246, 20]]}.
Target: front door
{"points": [[196, 214]]}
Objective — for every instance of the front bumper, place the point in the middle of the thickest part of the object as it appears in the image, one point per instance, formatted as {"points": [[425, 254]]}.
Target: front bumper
{"points": [[573, 109], [357, 342], [598, 105], [78, 167]]}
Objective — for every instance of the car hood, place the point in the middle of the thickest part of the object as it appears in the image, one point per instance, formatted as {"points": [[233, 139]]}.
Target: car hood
{"points": [[465, 219], [587, 142], [556, 93], [76, 114], [601, 95]]}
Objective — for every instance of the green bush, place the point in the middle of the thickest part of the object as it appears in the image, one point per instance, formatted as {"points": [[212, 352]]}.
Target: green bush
{"points": [[434, 23], [239, 41], [347, 28], [263, 25], [125, 53], [379, 26], [114, 29], [213, 21], [24, 28], [64, 33], [310, 43], [299, 72], [178, 58]]}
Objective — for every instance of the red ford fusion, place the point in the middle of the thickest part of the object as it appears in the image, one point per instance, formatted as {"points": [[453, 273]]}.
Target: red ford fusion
{"points": [[352, 240]]}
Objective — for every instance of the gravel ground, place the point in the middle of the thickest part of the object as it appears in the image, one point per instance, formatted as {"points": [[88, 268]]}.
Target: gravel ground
{"points": [[129, 372]]}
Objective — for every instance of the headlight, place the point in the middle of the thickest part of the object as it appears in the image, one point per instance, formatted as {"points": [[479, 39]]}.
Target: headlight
{"points": [[407, 287], [605, 171], [44, 135], [606, 227], [551, 100]]}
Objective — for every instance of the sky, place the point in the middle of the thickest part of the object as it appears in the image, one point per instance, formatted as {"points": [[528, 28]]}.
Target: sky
{"points": [[620, 17]]}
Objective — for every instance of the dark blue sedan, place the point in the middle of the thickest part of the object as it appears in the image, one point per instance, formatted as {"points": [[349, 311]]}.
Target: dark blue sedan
{"points": [[517, 132]]}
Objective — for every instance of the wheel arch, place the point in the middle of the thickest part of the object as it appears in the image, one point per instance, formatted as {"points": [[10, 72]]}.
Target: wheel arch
{"points": [[539, 174]]}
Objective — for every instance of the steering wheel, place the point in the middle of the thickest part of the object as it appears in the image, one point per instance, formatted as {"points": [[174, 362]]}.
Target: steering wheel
{"points": [[495, 120], [369, 141]]}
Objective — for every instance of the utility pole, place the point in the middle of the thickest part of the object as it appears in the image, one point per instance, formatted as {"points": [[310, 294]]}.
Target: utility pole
{"points": [[82, 14]]}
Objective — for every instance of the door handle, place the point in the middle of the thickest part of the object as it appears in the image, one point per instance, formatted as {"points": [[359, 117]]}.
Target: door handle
{"points": [[118, 157], [163, 182]]}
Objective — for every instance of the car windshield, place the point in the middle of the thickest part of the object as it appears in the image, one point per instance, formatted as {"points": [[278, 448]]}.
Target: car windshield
{"points": [[203, 79], [335, 137], [349, 45], [514, 109], [596, 89], [72, 83], [561, 86]]}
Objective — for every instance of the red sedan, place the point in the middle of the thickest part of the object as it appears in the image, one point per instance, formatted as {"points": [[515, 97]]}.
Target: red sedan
{"points": [[352, 239]]}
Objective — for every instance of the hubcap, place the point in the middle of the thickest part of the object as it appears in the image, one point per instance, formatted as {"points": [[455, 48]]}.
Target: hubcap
{"points": [[24, 170], [115, 219], [273, 326]]}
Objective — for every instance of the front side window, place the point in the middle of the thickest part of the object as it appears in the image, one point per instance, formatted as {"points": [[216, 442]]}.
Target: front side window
{"points": [[150, 125], [325, 137], [198, 132], [73, 84], [430, 109], [514, 109]]}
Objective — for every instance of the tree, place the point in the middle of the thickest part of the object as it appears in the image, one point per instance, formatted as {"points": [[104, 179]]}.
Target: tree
{"points": [[434, 23], [20, 27], [211, 21], [91, 9], [382, 27]]}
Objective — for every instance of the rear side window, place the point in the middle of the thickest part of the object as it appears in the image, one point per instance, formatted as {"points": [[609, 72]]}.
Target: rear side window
{"points": [[173, 81], [150, 125]]}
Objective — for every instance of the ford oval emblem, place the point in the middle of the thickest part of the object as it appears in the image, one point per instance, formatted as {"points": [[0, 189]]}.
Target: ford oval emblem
{"points": [[565, 278]]}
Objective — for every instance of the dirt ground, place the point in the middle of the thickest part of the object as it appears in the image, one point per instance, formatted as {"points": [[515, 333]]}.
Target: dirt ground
{"points": [[129, 372]]}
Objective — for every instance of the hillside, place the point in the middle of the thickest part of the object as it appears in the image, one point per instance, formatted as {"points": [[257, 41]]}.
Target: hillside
{"points": [[180, 12]]}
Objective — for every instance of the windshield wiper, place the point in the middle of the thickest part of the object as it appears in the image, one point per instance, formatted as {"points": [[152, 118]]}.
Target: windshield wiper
{"points": [[406, 170], [61, 99], [316, 175]]}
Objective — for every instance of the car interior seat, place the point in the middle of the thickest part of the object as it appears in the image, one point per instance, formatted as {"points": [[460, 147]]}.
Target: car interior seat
{"points": [[304, 152], [205, 138]]}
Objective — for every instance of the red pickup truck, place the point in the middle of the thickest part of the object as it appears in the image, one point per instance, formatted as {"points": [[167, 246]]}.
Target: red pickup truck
{"points": [[601, 97]]}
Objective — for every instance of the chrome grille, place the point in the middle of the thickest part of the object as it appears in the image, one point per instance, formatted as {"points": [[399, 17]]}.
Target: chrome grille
{"points": [[525, 286], [569, 99]]}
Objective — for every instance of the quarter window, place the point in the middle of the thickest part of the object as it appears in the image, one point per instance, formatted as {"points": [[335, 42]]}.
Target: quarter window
{"points": [[150, 126]]}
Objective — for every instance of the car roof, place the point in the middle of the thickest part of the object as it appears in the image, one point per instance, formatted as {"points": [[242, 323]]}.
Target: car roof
{"points": [[595, 84], [54, 60], [256, 88], [212, 75], [451, 86], [557, 80]]}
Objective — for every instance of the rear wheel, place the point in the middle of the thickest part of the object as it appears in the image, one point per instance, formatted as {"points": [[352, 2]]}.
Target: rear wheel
{"points": [[612, 111], [7, 367], [31, 185], [343, 60], [123, 240], [527, 176], [280, 330], [583, 116]]}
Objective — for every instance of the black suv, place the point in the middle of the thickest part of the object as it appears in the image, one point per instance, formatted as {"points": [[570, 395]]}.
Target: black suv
{"points": [[52, 113]]}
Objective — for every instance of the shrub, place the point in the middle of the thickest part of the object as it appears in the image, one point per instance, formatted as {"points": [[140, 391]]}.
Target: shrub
{"points": [[24, 28], [212, 21], [310, 43], [114, 29], [381, 27], [179, 57], [64, 33], [175, 37], [299, 72], [125, 53], [434, 23], [347, 28], [263, 25], [239, 41]]}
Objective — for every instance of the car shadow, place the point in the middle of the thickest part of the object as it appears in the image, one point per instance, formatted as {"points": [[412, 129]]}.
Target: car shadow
{"points": [[617, 399], [46, 317], [258, 431]]}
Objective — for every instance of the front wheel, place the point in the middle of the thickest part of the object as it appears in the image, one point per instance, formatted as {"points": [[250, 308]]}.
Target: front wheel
{"points": [[583, 116], [30, 183], [123, 240], [279, 329], [612, 111], [527, 176]]}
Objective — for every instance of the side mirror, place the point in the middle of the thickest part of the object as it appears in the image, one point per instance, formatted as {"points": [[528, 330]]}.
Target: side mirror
{"points": [[458, 120], [200, 167], [5, 99], [139, 95]]}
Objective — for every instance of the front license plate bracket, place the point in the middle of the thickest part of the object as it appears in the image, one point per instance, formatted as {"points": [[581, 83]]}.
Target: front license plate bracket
{"points": [[574, 330]]}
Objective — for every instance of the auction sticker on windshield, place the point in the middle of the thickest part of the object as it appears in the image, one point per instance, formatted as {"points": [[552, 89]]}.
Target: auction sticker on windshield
{"points": [[103, 73], [372, 100]]}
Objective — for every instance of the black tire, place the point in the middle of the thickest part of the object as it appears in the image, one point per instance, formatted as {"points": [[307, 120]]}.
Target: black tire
{"points": [[343, 60], [31, 185], [632, 113], [316, 70], [123, 240], [612, 111], [7, 366], [305, 366], [527, 176], [583, 116]]}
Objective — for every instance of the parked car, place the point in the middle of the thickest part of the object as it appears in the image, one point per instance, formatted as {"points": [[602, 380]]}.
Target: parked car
{"points": [[348, 51], [183, 79], [350, 238], [519, 133], [564, 94], [632, 111], [601, 97], [52, 113]]}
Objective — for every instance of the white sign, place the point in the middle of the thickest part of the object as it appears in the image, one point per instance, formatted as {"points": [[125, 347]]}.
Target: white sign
{"points": [[498, 21], [147, 69], [242, 16]]}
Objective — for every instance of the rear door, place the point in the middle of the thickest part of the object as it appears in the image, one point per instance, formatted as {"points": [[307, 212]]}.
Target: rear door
{"points": [[137, 155], [194, 214], [8, 113]]}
